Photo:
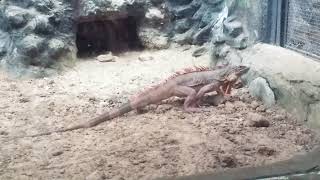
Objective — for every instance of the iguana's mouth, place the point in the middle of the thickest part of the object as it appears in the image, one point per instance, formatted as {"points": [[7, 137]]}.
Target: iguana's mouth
{"points": [[226, 89], [228, 85]]}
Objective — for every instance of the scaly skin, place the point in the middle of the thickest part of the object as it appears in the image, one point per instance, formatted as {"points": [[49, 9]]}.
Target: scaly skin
{"points": [[191, 83]]}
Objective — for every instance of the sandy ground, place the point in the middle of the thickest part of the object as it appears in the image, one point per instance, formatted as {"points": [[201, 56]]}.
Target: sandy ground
{"points": [[163, 141]]}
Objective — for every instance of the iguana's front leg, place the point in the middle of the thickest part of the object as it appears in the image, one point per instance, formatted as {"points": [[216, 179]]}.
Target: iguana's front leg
{"points": [[205, 89], [190, 95]]}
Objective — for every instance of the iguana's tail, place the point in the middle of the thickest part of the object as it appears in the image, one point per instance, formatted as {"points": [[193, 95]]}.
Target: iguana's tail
{"points": [[95, 121]]}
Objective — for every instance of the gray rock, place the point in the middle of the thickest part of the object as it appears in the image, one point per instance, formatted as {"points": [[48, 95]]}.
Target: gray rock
{"points": [[200, 51], [186, 10], [154, 14], [293, 78], [106, 57], [197, 22], [260, 89], [193, 22], [40, 25], [230, 55], [202, 35], [5, 43], [153, 39], [157, 2], [55, 18], [314, 114], [31, 46], [44, 6], [16, 16], [102, 7], [240, 42], [182, 25], [213, 3], [185, 38], [256, 120], [233, 27], [179, 2], [56, 48], [145, 57], [29, 26]]}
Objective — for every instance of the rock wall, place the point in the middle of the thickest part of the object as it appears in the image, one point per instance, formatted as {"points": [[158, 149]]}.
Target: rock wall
{"points": [[199, 22], [36, 34]]}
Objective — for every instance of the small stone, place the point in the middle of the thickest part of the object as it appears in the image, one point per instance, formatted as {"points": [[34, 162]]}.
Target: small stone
{"points": [[199, 52], [51, 82], [181, 116], [172, 141], [24, 100], [92, 99], [257, 120], [260, 88], [186, 47], [106, 57], [57, 153], [279, 117], [266, 151], [145, 57], [228, 161], [4, 133]]}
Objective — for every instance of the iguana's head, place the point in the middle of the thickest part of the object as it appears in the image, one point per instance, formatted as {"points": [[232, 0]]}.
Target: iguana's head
{"points": [[235, 72], [231, 77]]}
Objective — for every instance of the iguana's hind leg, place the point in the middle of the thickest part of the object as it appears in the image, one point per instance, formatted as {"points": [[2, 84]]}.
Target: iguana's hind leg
{"points": [[190, 100]]}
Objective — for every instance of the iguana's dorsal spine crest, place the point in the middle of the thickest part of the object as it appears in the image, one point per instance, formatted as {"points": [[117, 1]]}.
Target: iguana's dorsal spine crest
{"points": [[176, 74]]}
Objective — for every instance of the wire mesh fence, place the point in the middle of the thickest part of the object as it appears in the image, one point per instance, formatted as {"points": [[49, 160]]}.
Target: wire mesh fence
{"points": [[303, 27]]}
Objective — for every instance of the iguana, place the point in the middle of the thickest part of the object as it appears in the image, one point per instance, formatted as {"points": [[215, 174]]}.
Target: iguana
{"points": [[191, 83]]}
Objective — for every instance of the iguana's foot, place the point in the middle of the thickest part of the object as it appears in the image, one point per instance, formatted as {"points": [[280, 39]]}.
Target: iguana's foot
{"points": [[195, 104]]}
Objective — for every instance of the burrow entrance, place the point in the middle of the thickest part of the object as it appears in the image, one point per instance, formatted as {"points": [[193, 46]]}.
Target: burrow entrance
{"points": [[99, 36]]}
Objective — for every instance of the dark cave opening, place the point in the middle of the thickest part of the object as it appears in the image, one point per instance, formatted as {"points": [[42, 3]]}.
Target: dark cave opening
{"points": [[99, 36]]}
